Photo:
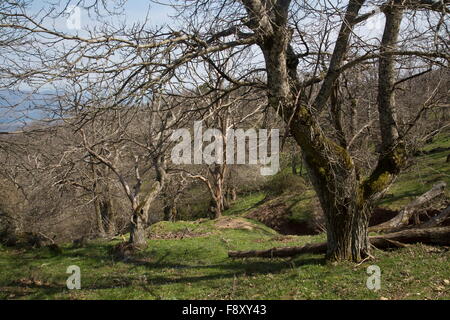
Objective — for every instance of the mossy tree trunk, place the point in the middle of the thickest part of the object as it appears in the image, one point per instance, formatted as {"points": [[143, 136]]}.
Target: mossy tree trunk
{"points": [[345, 198]]}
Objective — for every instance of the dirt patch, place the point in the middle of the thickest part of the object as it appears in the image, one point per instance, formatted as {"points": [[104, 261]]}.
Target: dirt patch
{"points": [[234, 223], [182, 234], [276, 215]]}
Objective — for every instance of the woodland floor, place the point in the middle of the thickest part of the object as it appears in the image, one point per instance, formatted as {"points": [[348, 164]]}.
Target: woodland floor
{"points": [[188, 260]]}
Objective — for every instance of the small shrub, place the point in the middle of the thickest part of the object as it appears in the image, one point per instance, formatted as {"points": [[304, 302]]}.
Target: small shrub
{"points": [[285, 182]]}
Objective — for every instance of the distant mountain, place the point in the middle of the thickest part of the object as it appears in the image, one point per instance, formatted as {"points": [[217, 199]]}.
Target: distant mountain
{"points": [[20, 108]]}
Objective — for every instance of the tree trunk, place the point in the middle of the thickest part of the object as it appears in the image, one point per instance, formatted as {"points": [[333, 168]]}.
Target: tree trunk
{"points": [[300, 173], [108, 215], [346, 201], [218, 173], [105, 216], [294, 162], [170, 212], [137, 234], [347, 222], [216, 206], [167, 213], [347, 235], [99, 218], [387, 78], [141, 208], [104, 210], [354, 116]]}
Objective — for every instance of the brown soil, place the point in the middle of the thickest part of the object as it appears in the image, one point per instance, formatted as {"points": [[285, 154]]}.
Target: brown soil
{"points": [[276, 215], [178, 235], [234, 223]]}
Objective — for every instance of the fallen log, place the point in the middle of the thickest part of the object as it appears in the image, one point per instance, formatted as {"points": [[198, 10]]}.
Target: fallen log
{"points": [[435, 236], [403, 217]]}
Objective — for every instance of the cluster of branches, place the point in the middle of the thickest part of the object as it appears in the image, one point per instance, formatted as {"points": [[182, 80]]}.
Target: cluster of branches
{"points": [[319, 68]]}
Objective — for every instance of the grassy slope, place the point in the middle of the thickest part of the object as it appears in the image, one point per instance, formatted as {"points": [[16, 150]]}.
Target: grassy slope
{"points": [[198, 267], [423, 172]]}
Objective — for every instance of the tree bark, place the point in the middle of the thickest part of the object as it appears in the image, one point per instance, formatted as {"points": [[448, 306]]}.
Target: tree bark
{"points": [[138, 237], [99, 218], [331, 168], [347, 222], [345, 200]]}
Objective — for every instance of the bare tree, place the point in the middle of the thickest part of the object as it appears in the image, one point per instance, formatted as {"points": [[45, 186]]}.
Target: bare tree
{"points": [[300, 52]]}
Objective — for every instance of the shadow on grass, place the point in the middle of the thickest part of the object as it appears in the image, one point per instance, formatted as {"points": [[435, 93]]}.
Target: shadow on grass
{"points": [[229, 269], [17, 290], [185, 273], [154, 269]]}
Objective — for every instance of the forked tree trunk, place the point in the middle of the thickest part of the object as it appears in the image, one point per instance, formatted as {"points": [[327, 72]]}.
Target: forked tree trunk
{"points": [[346, 200], [141, 208]]}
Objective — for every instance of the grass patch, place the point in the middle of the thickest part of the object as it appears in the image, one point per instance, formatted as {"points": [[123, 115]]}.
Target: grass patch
{"points": [[245, 203], [302, 206], [424, 171], [198, 268]]}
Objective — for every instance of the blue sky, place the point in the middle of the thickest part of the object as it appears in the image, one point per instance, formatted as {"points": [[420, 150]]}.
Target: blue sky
{"points": [[134, 11]]}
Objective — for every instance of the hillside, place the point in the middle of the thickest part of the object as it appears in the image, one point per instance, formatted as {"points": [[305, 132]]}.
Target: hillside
{"points": [[188, 259]]}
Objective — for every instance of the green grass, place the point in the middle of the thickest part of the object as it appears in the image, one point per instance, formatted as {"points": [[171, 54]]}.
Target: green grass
{"points": [[198, 268], [302, 206], [245, 203], [424, 171], [188, 259]]}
